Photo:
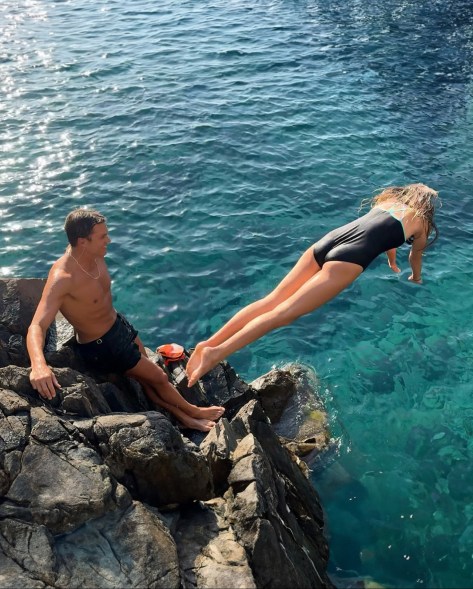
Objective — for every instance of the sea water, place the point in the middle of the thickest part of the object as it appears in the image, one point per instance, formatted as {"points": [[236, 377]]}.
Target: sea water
{"points": [[221, 138]]}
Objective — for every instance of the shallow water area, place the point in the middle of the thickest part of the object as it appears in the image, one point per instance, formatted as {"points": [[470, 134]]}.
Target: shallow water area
{"points": [[221, 139]]}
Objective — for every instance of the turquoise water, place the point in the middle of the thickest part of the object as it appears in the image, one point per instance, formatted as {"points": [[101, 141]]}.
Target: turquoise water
{"points": [[221, 139]]}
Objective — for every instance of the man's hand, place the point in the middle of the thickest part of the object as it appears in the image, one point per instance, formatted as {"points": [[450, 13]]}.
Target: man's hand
{"points": [[44, 381]]}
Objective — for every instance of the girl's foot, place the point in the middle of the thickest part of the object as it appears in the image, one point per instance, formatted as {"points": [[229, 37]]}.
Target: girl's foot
{"points": [[194, 359], [395, 268], [208, 359]]}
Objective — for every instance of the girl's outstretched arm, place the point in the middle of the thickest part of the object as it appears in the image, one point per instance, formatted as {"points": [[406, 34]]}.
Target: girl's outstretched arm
{"points": [[392, 260], [415, 258]]}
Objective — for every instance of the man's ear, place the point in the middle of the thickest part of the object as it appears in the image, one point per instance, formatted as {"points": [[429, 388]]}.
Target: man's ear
{"points": [[82, 241]]}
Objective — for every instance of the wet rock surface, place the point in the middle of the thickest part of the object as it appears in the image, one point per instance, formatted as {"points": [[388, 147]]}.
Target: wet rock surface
{"points": [[100, 489]]}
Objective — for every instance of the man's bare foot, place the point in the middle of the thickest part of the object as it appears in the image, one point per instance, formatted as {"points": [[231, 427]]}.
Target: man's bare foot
{"points": [[203, 425], [194, 359], [394, 267], [213, 413], [208, 359]]}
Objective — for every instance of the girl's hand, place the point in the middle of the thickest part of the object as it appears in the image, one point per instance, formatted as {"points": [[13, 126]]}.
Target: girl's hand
{"points": [[412, 279], [392, 260]]}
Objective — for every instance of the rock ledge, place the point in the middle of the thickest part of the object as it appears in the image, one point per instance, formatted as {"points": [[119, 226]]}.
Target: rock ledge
{"points": [[98, 489]]}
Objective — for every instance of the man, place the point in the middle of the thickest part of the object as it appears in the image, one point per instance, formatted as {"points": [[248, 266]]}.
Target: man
{"points": [[79, 286]]}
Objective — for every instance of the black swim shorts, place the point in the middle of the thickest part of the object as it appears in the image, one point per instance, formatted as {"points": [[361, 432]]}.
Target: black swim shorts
{"points": [[116, 351]]}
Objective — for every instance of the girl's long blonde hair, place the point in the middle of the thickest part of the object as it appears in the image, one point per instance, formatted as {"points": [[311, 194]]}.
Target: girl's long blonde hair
{"points": [[418, 197]]}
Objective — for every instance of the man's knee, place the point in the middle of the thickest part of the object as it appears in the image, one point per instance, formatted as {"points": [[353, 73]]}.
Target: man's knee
{"points": [[141, 347], [149, 372], [159, 376]]}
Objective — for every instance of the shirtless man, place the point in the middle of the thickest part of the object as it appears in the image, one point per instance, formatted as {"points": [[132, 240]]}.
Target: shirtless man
{"points": [[79, 286]]}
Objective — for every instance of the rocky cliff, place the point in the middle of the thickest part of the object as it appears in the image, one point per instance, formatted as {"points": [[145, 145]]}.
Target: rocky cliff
{"points": [[99, 489]]}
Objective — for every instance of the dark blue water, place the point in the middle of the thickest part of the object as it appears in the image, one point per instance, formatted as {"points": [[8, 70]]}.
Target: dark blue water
{"points": [[221, 139]]}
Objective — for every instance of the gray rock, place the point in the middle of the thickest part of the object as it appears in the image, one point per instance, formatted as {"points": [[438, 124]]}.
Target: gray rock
{"points": [[130, 548], [223, 386], [11, 403], [218, 447], [210, 555], [99, 491], [79, 394], [19, 298], [17, 379], [274, 391], [30, 545], [59, 334], [289, 398], [261, 511], [285, 542], [4, 346], [60, 486], [125, 395], [164, 467], [17, 353]]}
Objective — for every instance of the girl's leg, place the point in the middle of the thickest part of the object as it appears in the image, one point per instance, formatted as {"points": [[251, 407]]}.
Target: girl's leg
{"points": [[332, 279], [304, 270]]}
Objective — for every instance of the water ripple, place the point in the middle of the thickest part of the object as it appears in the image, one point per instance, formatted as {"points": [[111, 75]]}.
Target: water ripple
{"points": [[221, 139]]}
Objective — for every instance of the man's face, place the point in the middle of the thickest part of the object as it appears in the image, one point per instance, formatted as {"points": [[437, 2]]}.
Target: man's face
{"points": [[98, 240]]}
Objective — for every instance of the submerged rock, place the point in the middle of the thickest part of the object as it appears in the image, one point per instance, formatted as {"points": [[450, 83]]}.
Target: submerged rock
{"points": [[289, 398], [100, 489]]}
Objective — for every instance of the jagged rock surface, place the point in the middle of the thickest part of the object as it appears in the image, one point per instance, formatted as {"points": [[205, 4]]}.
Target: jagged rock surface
{"points": [[98, 489]]}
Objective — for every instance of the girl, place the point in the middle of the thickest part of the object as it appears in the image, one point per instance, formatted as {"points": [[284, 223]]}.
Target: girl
{"points": [[399, 214]]}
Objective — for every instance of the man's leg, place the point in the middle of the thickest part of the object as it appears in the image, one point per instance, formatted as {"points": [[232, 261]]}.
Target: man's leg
{"points": [[203, 425], [164, 394]]}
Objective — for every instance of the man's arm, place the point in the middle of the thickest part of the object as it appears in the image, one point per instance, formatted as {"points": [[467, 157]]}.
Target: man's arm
{"points": [[415, 258], [42, 377]]}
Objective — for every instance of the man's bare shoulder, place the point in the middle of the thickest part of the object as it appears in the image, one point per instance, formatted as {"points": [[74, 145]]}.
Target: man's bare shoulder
{"points": [[60, 277]]}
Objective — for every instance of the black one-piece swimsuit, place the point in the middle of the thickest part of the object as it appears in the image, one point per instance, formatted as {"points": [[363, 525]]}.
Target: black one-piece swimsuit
{"points": [[362, 240]]}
